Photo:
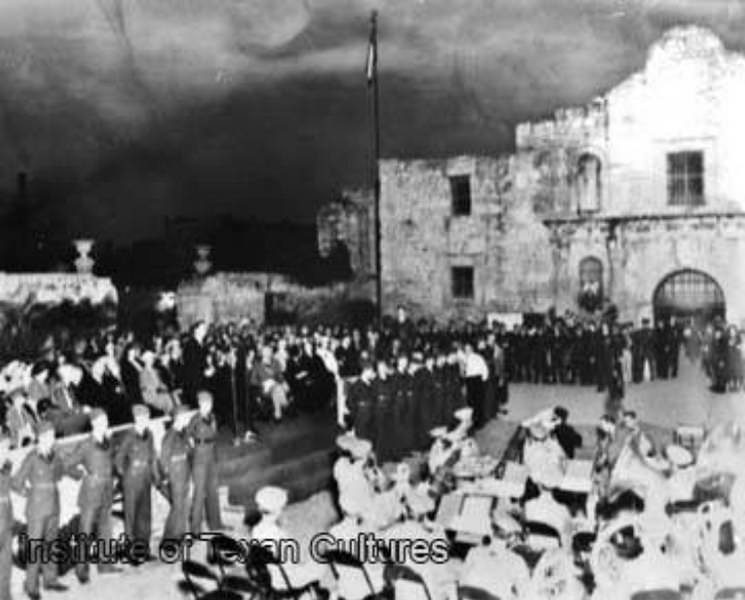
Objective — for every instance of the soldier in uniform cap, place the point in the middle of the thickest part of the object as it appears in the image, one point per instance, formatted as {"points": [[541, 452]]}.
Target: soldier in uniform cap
{"points": [[136, 462], [361, 403], [94, 458], [6, 517], [202, 432], [37, 480], [175, 472]]}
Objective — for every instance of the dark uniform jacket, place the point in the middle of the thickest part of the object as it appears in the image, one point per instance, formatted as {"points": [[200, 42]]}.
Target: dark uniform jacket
{"points": [[37, 478]]}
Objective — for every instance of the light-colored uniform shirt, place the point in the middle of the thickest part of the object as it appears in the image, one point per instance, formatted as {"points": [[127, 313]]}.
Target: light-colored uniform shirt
{"points": [[475, 366], [497, 570]]}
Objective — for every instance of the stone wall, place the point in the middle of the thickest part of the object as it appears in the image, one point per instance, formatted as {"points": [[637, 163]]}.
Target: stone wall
{"points": [[590, 182]]}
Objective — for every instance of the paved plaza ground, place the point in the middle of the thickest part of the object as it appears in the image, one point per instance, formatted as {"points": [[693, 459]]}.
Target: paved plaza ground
{"points": [[665, 403]]}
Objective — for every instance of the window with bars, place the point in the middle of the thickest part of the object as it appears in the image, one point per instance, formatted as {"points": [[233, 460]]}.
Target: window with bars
{"points": [[462, 282], [685, 178], [460, 190]]}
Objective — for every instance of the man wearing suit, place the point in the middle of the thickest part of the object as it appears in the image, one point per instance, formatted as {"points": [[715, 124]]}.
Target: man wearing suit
{"points": [[195, 363]]}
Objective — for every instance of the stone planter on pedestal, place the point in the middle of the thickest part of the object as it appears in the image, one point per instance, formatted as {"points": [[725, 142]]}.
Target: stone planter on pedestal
{"points": [[84, 263], [203, 264]]}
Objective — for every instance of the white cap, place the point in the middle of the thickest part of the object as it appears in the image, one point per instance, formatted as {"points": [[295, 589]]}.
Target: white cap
{"points": [[464, 414], [538, 431], [271, 499], [438, 432], [678, 455], [357, 447]]}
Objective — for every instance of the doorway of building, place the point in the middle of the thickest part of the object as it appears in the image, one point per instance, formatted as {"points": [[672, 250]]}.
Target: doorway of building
{"points": [[689, 293]]}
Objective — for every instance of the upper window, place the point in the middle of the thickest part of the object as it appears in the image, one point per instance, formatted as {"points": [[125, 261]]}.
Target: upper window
{"points": [[462, 281], [460, 190], [685, 178], [589, 183]]}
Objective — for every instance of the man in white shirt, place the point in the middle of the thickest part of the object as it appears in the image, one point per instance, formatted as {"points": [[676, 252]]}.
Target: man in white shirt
{"points": [[476, 373]]}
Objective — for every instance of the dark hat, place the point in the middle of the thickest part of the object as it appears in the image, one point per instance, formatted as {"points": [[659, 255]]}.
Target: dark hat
{"points": [[140, 410]]}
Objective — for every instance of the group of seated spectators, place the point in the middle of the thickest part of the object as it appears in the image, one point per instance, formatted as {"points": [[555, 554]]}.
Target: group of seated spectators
{"points": [[257, 372]]}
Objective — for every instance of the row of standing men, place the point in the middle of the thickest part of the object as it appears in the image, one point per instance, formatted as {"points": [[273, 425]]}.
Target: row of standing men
{"points": [[187, 457], [397, 408]]}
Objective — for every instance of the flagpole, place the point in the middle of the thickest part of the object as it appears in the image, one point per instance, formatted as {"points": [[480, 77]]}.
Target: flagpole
{"points": [[373, 72]]}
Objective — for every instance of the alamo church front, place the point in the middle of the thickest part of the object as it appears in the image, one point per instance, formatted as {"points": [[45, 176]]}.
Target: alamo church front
{"points": [[637, 199]]}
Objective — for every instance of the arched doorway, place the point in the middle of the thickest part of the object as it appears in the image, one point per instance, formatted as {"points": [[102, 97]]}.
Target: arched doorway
{"points": [[689, 293]]}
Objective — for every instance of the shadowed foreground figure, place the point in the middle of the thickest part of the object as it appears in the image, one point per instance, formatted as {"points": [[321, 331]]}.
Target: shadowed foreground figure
{"points": [[95, 497], [37, 480], [175, 473], [136, 462], [202, 432]]}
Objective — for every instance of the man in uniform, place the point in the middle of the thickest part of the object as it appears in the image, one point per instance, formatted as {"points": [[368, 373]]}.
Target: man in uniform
{"points": [[37, 480], [175, 472], [421, 409], [361, 403], [135, 461], [94, 458], [202, 432], [6, 518], [384, 447]]}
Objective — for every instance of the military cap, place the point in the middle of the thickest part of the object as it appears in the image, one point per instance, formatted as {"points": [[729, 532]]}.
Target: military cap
{"points": [[271, 499], [46, 427], [438, 432], [538, 431], [464, 414], [96, 414], [678, 455], [140, 410]]}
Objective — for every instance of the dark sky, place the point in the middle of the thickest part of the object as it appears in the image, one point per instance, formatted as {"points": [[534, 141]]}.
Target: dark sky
{"points": [[125, 111]]}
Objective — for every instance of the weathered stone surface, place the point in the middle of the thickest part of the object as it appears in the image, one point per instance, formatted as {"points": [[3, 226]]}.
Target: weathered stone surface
{"points": [[592, 181]]}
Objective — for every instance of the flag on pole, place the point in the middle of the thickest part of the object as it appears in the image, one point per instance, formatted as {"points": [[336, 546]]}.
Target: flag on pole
{"points": [[372, 53]]}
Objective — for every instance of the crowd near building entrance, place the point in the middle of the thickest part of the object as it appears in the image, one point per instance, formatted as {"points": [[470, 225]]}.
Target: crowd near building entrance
{"points": [[689, 293]]}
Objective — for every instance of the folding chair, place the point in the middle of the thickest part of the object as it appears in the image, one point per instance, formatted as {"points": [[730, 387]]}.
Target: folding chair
{"points": [[260, 562], [224, 551], [407, 584], [351, 575], [194, 571], [734, 593], [466, 592], [660, 594], [241, 585]]}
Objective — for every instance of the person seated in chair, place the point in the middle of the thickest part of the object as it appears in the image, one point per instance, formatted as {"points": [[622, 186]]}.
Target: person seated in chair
{"points": [[493, 566], [268, 533]]}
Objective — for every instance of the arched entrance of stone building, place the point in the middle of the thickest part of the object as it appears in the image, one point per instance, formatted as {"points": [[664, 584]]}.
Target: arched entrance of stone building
{"points": [[689, 293]]}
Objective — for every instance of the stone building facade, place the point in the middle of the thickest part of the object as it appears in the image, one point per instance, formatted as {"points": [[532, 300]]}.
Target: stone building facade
{"points": [[637, 199]]}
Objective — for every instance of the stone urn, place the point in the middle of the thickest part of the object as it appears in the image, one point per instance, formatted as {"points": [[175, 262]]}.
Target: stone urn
{"points": [[203, 264], [84, 263]]}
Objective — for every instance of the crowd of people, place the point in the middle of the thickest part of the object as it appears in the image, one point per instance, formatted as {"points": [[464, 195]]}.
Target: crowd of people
{"points": [[268, 373], [394, 390]]}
